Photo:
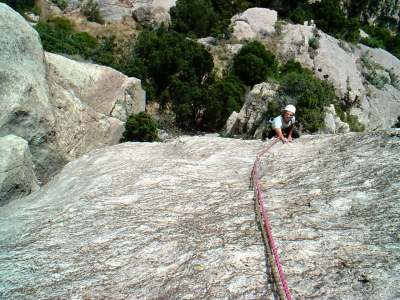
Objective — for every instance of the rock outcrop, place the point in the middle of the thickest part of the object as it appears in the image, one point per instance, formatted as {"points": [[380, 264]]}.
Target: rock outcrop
{"points": [[176, 220], [17, 177], [62, 108]]}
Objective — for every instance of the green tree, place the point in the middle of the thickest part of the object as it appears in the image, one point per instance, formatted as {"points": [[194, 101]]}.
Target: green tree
{"points": [[193, 16], [311, 94], [224, 97], [20, 5], [254, 63]]}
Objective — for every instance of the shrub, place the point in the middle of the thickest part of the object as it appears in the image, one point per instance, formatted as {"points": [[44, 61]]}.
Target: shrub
{"points": [[313, 43], [140, 127], [62, 4], [58, 36], [354, 123], [169, 55], [254, 63], [383, 38], [193, 16], [92, 12], [225, 96], [250, 69], [312, 96]]}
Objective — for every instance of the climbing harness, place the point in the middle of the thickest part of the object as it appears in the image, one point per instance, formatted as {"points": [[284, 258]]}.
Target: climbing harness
{"points": [[272, 250]]}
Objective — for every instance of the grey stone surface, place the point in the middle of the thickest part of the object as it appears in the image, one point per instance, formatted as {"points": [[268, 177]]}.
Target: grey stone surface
{"points": [[106, 90], [253, 22], [25, 109], [17, 177], [335, 204], [176, 220], [139, 221]]}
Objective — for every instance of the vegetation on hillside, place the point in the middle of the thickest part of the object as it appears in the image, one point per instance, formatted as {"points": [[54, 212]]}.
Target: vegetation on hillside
{"points": [[177, 72]]}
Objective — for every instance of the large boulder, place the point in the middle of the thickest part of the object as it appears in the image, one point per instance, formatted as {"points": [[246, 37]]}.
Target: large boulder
{"points": [[250, 121], [17, 176], [176, 220], [62, 108], [253, 23], [105, 90], [91, 104]]}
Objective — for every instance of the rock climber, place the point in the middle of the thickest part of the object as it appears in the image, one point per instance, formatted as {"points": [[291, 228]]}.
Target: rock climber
{"points": [[283, 125]]}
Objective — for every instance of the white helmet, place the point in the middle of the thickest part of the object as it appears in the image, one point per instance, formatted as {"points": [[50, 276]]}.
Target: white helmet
{"points": [[290, 108]]}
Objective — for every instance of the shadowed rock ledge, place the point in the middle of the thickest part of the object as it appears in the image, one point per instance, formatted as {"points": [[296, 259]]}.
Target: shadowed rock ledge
{"points": [[176, 221]]}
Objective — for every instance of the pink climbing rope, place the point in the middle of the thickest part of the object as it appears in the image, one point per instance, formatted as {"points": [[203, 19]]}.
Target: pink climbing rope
{"points": [[267, 226]]}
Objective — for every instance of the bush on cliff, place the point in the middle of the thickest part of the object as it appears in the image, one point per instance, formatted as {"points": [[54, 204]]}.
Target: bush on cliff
{"points": [[311, 95], [92, 12], [254, 63], [58, 36], [193, 17], [140, 127]]}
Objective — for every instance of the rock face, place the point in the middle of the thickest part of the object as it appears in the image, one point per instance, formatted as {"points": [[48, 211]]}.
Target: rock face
{"points": [[344, 66], [176, 220], [60, 107], [329, 60], [140, 221], [17, 177], [25, 108]]}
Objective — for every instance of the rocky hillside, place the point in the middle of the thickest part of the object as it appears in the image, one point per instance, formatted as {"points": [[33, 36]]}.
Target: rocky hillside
{"points": [[176, 220]]}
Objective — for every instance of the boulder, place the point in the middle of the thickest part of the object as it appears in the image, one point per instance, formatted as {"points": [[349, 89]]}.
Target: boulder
{"points": [[114, 11], [176, 220], [62, 108], [333, 124], [232, 124], [17, 176], [253, 22], [149, 15], [105, 90], [250, 120]]}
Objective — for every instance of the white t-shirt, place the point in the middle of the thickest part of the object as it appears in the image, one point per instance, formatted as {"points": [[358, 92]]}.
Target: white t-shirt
{"points": [[279, 123]]}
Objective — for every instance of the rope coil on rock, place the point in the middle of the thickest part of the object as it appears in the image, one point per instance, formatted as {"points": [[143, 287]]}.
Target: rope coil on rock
{"points": [[272, 250]]}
